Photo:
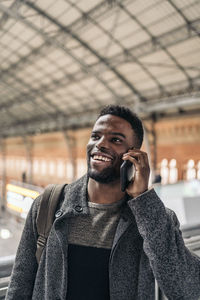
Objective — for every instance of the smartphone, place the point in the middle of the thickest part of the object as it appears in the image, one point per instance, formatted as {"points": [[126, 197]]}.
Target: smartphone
{"points": [[127, 170]]}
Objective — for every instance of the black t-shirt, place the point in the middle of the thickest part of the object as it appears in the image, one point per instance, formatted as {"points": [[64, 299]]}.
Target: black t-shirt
{"points": [[88, 276], [90, 239]]}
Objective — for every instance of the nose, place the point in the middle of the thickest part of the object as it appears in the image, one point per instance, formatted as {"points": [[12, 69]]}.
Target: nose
{"points": [[102, 143]]}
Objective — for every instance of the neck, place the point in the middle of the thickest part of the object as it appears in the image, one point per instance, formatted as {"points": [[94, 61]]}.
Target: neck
{"points": [[104, 193]]}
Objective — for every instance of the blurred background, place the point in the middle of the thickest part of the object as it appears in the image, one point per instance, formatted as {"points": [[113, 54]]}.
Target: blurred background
{"points": [[61, 62]]}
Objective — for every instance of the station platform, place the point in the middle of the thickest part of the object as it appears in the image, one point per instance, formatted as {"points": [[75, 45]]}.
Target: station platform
{"points": [[10, 233]]}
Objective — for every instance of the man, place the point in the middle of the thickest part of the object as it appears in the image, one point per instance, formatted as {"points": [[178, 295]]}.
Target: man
{"points": [[106, 244]]}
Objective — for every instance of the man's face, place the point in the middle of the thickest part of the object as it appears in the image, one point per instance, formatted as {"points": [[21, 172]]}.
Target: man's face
{"points": [[111, 137]]}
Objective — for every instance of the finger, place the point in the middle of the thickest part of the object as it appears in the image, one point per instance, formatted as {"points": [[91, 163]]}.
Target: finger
{"points": [[132, 159], [141, 159], [146, 159], [137, 156], [136, 150], [137, 153]]}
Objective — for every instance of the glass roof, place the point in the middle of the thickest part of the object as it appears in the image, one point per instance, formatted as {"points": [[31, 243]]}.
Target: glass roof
{"points": [[63, 60]]}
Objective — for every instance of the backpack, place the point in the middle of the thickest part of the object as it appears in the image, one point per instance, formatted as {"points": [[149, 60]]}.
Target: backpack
{"points": [[46, 215]]}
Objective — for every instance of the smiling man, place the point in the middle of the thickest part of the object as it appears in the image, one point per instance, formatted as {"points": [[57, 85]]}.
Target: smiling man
{"points": [[106, 244]]}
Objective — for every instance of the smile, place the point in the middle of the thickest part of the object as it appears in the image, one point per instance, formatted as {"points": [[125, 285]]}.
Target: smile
{"points": [[101, 158]]}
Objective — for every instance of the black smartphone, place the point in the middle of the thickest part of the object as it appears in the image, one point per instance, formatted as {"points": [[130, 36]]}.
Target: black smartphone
{"points": [[126, 174]]}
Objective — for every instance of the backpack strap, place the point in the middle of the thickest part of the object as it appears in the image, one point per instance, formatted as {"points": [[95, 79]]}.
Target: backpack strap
{"points": [[46, 215]]}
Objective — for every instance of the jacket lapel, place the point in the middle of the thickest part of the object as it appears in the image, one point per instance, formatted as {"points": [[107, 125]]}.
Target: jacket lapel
{"points": [[75, 203], [75, 198], [127, 219]]}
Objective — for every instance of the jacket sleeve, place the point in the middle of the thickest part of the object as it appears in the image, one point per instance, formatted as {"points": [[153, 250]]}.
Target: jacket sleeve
{"points": [[25, 266], [175, 268]]}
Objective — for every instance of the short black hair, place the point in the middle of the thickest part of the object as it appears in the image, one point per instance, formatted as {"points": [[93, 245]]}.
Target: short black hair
{"points": [[128, 115]]}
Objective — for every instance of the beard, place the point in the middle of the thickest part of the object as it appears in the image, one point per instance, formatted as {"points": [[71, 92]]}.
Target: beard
{"points": [[106, 176]]}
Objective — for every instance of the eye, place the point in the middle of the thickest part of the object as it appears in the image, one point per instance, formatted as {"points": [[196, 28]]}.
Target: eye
{"points": [[95, 137], [116, 140]]}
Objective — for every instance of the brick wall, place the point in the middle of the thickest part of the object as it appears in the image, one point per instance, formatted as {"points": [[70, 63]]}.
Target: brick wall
{"points": [[60, 157]]}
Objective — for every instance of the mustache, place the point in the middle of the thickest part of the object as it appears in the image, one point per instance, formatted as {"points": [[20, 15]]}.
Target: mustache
{"points": [[91, 150]]}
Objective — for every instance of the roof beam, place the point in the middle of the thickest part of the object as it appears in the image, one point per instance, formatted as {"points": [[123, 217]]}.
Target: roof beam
{"points": [[168, 39], [180, 67], [41, 91], [87, 119], [5, 17], [50, 123], [29, 96], [80, 23], [57, 44], [113, 39], [188, 23], [24, 97], [170, 103], [141, 50], [102, 60]]}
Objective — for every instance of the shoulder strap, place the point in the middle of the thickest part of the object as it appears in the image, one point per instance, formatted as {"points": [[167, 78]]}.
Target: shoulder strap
{"points": [[46, 215]]}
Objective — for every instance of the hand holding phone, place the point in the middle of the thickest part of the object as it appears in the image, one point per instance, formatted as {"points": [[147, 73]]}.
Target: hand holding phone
{"points": [[127, 170]]}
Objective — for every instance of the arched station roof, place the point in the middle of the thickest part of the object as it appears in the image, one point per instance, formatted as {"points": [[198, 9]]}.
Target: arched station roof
{"points": [[63, 60]]}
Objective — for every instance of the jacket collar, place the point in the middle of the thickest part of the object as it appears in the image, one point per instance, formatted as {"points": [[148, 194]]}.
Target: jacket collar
{"points": [[76, 201], [75, 197]]}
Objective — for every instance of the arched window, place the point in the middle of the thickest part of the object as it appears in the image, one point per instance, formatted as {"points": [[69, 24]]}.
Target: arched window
{"points": [[81, 167], [52, 168], [12, 163], [164, 171], [35, 166], [23, 165], [198, 170], [43, 166], [191, 172], [69, 170], [60, 169], [173, 172], [18, 164]]}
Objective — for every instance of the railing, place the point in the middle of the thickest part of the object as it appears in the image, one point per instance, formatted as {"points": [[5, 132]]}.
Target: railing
{"points": [[191, 235], [6, 264]]}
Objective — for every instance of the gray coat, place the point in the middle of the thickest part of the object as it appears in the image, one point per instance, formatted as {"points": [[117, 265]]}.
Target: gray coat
{"points": [[147, 245]]}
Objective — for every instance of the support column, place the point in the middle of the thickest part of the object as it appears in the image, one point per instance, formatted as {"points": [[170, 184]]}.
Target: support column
{"points": [[150, 140], [148, 150], [3, 176], [29, 156], [71, 143], [154, 141], [154, 144]]}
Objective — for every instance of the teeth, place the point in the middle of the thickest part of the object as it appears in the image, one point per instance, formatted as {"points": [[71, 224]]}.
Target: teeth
{"points": [[99, 157]]}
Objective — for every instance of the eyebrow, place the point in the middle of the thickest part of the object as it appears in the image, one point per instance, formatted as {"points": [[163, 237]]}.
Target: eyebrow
{"points": [[118, 133], [112, 133]]}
